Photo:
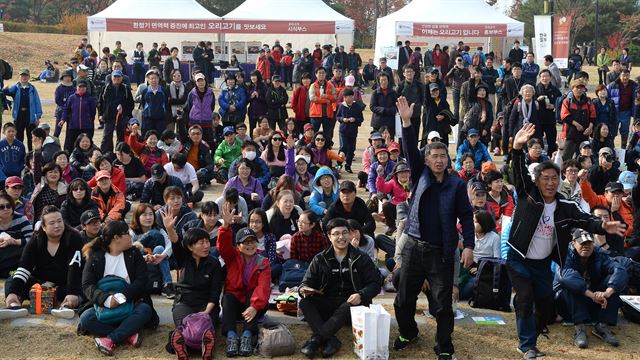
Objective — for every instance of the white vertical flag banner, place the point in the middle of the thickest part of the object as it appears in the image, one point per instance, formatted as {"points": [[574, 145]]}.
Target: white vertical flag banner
{"points": [[542, 26]]}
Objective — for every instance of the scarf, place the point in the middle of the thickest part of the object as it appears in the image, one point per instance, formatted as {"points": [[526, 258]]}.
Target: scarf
{"points": [[526, 112], [176, 89], [247, 270]]}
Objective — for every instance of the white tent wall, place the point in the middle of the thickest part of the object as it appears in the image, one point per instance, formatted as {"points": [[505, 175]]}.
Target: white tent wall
{"points": [[291, 11], [400, 24], [142, 10]]}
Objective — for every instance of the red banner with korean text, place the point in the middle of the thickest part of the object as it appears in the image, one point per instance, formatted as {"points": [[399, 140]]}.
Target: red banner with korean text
{"points": [[561, 40], [460, 30], [222, 26]]}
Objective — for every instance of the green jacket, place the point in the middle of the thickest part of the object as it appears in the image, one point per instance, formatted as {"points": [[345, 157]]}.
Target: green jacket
{"points": [[228, 153], [602, 61]]}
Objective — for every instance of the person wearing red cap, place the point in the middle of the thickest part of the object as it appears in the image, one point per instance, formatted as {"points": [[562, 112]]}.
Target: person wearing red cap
{"points": [[111, 201], [14, 186]]}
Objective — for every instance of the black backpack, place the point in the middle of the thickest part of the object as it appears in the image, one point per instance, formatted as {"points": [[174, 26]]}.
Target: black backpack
{"points": [[154, 276], [492, 285]]}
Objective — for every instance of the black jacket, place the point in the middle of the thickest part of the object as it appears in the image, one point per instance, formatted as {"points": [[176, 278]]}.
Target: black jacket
{"points": [[197, 284], [111, 97], [205, 159], [530, 207], [138, 289], [429, 121], [277, 99], [324, 272], [168, 68], [64, 270], [71, 211], [599, 178], [359, 212], [414, 92], [383, 108], [546, 116], [152, 190]]}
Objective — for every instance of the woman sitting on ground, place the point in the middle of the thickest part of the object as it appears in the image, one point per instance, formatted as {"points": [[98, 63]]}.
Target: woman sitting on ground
{"points": [[51, 190], [111, 260], [69, 172], [208, 220], [266, 241], [200, 280], [283, 215], [81, 156], [117, 175], [248, 186], [15, 233], [78, 201]]}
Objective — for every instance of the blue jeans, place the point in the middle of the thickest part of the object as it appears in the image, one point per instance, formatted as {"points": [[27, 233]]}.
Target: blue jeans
{"points": [[348, 147], [164, 265], [532, 281], [134, 323], [624, 120], [580, 309]]}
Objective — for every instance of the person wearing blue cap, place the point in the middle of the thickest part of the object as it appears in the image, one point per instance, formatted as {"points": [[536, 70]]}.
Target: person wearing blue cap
{"points": [[472, 145], [115, 104], [228, 150]]}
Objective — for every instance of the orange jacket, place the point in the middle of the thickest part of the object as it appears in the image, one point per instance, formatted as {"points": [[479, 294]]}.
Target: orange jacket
{"points": [[114, 205], [316, 101], [593, 199]]}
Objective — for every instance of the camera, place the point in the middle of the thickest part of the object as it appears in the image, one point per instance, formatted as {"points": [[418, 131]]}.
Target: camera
{"points": [[609, 157]]}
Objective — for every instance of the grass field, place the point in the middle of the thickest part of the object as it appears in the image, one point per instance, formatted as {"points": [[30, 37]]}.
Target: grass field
{"points": [[53, 340]]}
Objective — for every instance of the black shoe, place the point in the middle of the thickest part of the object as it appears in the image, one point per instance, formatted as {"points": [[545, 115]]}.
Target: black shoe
{"points": [[400, 343], [168, 291], [348, 169], [233, 346], [331, 347], [310, 347], [580, 339]]}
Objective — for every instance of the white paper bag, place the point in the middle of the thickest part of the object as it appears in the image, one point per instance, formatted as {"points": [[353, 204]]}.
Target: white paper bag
{"points": [[398, 122], [620, 154], [370, 326]]}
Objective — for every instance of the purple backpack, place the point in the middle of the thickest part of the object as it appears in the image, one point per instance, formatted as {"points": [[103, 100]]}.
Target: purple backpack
{"points": [[193, 327]]}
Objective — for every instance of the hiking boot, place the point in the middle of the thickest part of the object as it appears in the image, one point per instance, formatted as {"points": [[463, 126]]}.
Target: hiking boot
{"points": [[233, 345], [331, 347], [208, 340], [105, 345], [63, 313], [134, 340], [580, 339], [13, 312], [400, 343], [246, 347], [605, 334], [529, 355], [310, 347], [179, 347]]}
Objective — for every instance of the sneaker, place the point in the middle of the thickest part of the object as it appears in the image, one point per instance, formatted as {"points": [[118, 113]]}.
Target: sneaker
{"points": [[446, 356], [233, 345], [388, 285], [535, 351], [580, 339], [208, 341], [13, 312], [246, 347], [63, 313], [400, 343], [177, 344], [105, 345], [168, 291], [134, 340], [529, 355], [605, 334]]}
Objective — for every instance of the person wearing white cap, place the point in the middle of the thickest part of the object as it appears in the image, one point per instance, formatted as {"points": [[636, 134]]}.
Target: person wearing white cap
{"points": [[83, 75]]}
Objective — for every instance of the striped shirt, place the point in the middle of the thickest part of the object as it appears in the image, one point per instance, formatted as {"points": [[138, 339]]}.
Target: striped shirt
{"points": [[19, 228]]}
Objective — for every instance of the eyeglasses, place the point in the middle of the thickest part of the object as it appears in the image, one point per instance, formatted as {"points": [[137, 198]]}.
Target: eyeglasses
{"points": [[78, 189], [319, 139], [303, 222], [5, 207], [344, 233], [572, 171], [276, 139], [196, 133]]}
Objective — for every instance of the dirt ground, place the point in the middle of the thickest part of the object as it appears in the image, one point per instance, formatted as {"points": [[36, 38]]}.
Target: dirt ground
{"points": [[52, 340]]}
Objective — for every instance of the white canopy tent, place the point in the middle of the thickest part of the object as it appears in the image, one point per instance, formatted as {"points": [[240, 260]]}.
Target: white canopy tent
{"points": [[148, 21], [300, 22], [427, 22]]}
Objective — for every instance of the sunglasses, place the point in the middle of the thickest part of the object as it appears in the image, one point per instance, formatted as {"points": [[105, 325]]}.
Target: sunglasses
{"points": [[5, 207], [319, 139], [276, 139]]}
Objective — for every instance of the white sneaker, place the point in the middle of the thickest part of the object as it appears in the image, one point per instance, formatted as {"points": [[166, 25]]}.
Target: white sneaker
{"points": [[63, 313], [13, 313]]}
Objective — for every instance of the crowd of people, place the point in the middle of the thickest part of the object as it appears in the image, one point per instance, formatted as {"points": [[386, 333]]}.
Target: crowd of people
{"points": [[560, 212]]}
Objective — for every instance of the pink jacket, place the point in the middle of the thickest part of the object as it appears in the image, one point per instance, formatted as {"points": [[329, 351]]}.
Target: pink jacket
{"points": [[366, 159], [398, 194]]}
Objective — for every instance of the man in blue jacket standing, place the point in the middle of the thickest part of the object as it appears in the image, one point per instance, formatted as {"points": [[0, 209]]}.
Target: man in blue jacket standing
{"points": [[588, 287], [439, 200], [27, 109]]}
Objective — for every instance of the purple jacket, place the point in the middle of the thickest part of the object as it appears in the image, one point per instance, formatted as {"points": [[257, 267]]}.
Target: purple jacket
{"points": [[201, 110], [61, 95], [253, 186], [79, 111], [257, 105]]}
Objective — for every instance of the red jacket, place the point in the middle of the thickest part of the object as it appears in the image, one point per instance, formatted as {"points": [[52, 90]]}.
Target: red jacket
{"points": [[263, 66], [260, 281], [504, 208], [117, 178], [143, 152], [299, 103], [398, 193], [114, 205]]}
